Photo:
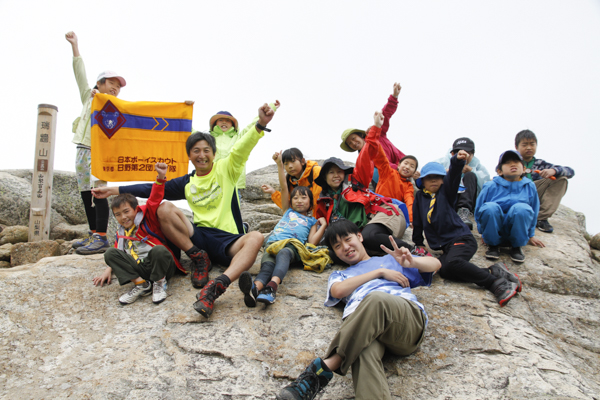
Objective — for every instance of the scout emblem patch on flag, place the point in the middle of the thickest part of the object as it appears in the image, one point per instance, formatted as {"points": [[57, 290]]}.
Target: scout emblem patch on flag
{"points": [[128, 138]]}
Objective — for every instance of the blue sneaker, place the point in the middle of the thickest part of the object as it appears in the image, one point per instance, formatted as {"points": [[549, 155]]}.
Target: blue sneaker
{"points": [[83, 242], [267, 295], [308, 384], [249, 289], [98, 245]]}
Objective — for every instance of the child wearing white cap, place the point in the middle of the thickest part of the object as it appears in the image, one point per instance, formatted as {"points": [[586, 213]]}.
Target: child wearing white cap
{"points": [[108, 82]]}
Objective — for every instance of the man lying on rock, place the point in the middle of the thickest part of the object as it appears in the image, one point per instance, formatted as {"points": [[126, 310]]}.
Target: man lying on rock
{"points": [[211, 193], [377, 294]]}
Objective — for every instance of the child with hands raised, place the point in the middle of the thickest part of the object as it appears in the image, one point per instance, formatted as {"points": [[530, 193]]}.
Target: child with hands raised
{"points": [[139, 255], [434, 214], [295, 228]]}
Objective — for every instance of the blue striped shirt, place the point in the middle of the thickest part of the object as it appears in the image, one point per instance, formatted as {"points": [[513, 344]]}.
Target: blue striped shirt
{"points": [[352, 301]]}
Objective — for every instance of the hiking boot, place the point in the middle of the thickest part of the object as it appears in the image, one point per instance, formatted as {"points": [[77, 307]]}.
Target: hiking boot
{"points": [[248, 288], [201, 265], [420, 251], [465, 216], [503, 290], [492, 253], [267, 295], [138, 290], [500, 270], [207, 296], [83, 242], [98, 244], [308, 384], [246, 227], [544, 226], [159, 291], [516, 254]]}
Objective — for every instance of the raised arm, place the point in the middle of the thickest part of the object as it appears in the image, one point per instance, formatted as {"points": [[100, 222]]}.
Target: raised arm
{"points": [[285, 193], [390, 108], [72, 38], [363, 171]]}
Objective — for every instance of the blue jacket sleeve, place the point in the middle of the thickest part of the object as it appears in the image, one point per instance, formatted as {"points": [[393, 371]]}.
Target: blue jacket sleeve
{"points": [[535, 205], [174, 189], [481, 200]]}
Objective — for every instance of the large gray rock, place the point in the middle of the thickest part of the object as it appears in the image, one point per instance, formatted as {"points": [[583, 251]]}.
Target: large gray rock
{"points": [[595, 241], [14, 234], [5, 252], [15, 198], [32, 252], [71, 340]]}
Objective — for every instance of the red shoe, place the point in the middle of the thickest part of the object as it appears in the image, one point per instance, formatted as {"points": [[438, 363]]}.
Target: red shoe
{"points": [[421, 252], [201, 265], [207, 296]]}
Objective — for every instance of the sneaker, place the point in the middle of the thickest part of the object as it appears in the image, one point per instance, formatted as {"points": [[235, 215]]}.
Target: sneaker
{"points": [[137, 291], [503, 290], [492, 253], [246, 227], [516, 254], [248, 288], [500, 270], [83, 242], [267, 295], [465, 216], [98, 244], [201, 265], [421, 252], [308, 384], [544, 226], [207, 296], [159, 291]]}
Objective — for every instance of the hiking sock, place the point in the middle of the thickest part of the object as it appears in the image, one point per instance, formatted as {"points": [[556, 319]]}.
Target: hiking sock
{"points": [[273, 285], [192, 250], [224, 279]]}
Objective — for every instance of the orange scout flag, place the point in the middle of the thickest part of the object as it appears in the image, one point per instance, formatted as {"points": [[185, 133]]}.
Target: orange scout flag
{"points": [[128, 138]]}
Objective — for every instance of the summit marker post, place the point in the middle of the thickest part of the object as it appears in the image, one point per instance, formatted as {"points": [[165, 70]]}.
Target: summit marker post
{"points": [[43, 172]]}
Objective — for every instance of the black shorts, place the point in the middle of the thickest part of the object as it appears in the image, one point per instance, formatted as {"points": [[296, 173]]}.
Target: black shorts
{"points": [[215, 242]]}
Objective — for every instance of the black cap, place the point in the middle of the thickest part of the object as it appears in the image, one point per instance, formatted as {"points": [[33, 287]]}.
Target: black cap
{"points": [[327, 164], [509, 155], [463, 143]]}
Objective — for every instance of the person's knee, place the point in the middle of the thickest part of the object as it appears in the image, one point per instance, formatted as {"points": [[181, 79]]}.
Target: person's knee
{"points": [[520, 209], [158, 251], [109, 253], [166, 211], [254, 239]]}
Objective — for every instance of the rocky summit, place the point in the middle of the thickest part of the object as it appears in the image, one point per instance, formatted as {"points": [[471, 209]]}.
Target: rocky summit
{"points": [[64, 338]]}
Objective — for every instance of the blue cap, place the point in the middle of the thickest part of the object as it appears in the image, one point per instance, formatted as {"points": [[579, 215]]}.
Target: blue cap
{"points": [[431, 168]]}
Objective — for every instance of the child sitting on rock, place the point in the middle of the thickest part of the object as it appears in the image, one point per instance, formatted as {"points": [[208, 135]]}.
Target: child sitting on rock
{"points": [[139, 255], [549, 179], [285, 244], [300, 172], [474, 176], [355, 139], [345, 196], [507, 209], [433, 212]]}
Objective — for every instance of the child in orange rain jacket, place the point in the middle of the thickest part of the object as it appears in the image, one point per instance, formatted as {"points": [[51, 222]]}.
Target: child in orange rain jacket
{"points": [[299, 172]]}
